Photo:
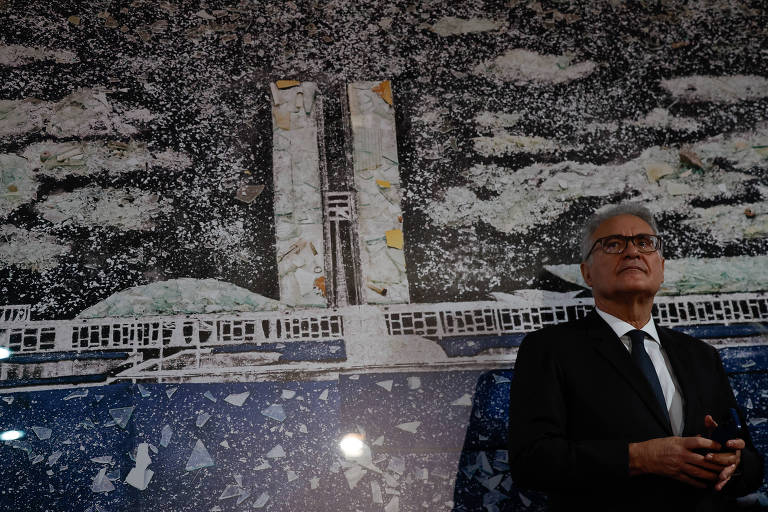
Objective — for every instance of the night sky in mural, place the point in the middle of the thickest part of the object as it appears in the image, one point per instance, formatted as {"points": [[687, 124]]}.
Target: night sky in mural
{"points": [[511, 125]]}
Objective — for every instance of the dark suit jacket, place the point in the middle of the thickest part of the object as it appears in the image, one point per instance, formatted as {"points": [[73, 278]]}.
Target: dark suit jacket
{"points": [[577, 401]]}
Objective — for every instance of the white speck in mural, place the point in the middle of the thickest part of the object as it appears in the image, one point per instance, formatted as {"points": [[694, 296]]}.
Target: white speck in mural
{"points": [[199, 458], [238, 399], [104, 459], [121, 415]]}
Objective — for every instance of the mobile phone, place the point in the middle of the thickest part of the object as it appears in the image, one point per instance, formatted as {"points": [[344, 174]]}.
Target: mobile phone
{"points": [[729, 428]]}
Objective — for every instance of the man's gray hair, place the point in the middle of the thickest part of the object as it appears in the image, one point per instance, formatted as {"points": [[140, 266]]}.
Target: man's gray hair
{"points": [[600, 216]]}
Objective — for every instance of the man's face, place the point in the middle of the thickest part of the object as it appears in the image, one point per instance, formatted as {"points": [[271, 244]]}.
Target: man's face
{"points": [[629, 274]]}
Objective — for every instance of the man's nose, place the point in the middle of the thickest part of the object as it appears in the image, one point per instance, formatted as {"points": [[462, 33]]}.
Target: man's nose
{"points": [[630, 251]]}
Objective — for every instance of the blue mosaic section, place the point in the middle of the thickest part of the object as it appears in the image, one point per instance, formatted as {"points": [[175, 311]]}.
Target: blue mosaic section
{"points": [[329, 350]]}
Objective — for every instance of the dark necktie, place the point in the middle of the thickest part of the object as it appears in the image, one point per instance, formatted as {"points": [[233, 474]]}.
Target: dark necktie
{"points": [[643, 362]]}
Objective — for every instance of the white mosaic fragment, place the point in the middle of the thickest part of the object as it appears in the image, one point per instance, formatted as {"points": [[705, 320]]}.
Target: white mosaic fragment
{"points": [[287, 394], [465, 399], [324, 395], [353, 475], [80, 393], [42, 433], [393, 505], [291, 475], [237, 399], [104, 459], [414, 383], [386, 384], [224, 444], [170, 391], [165, 436], [199, 458], [275, 411], [143, 391], [101, 483], [202, 419], [410, 426], [261, 500], [376, 492], [54, 457], [139, 476], [276, 452], [210, 396], [314, 482], [121, 415], [230, 492]]}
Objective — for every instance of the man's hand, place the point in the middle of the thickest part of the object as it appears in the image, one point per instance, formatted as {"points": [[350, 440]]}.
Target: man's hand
{"points": [[674, 457], [728, 461]]}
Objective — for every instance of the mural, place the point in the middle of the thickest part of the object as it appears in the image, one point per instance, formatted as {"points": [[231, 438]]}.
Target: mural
{"points": [[280, 255]]}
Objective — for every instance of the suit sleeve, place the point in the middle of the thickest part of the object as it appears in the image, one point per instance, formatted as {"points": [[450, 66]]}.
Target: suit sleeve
{"points": [[749, 474], [541, 455]]}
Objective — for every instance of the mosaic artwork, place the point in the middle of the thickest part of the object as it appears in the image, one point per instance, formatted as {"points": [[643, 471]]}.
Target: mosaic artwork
{"points": [[280, 256]]}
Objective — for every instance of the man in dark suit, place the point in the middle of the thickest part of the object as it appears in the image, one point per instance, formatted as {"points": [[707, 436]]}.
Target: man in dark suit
{"points": [[610, 412]]}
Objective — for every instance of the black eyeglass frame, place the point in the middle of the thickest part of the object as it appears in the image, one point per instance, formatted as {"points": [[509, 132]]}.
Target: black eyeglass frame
{"points": [[657, 243]]}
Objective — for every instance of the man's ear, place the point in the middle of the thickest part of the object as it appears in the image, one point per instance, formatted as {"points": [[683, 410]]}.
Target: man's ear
{"points": [[587, 276], [662, 269]]}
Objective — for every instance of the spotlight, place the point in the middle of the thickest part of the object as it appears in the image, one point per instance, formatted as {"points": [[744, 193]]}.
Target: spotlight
{"points": [[352, 445], [4, 353], [11, 435]]}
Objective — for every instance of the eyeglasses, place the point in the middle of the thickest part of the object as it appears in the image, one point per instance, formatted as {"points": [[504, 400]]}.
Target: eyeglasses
{"points": [[616, 244]]}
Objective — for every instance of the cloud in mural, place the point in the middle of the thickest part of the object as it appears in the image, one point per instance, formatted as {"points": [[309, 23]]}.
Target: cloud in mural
{"points": [[539, 193], [58, 159], [180, 296], [662, 118], [14, 55], [697, 275], [452, 26], [524, 66], [720, 89], [17, 183], [84, 113], [29, 250], [93, 206]]}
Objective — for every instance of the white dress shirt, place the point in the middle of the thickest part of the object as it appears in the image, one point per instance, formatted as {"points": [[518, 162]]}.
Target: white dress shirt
{"points": [[660, 360]]}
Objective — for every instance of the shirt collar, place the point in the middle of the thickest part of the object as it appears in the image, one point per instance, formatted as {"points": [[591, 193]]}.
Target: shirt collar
{"points": [[620, 327]]}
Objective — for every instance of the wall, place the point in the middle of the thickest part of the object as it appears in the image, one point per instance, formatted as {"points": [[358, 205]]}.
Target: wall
{"points": [[145, 278]]}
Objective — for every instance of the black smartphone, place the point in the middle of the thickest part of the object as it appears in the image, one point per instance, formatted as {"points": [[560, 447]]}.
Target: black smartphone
{"points": [[729, 428]]}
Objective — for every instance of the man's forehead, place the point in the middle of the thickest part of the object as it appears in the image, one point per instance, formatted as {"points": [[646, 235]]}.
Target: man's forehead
{"points": [[625, 224]]}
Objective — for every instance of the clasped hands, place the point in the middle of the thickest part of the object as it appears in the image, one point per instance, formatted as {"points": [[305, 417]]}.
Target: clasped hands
{"points": [[681, 458]]}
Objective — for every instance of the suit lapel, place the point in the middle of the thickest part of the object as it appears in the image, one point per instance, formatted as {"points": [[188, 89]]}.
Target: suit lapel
{"points": [[680, 361], [608, 345]]}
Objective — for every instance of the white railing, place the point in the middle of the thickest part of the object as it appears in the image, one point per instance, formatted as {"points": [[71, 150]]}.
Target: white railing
{"points": [[433, 320], [14, 313]]}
